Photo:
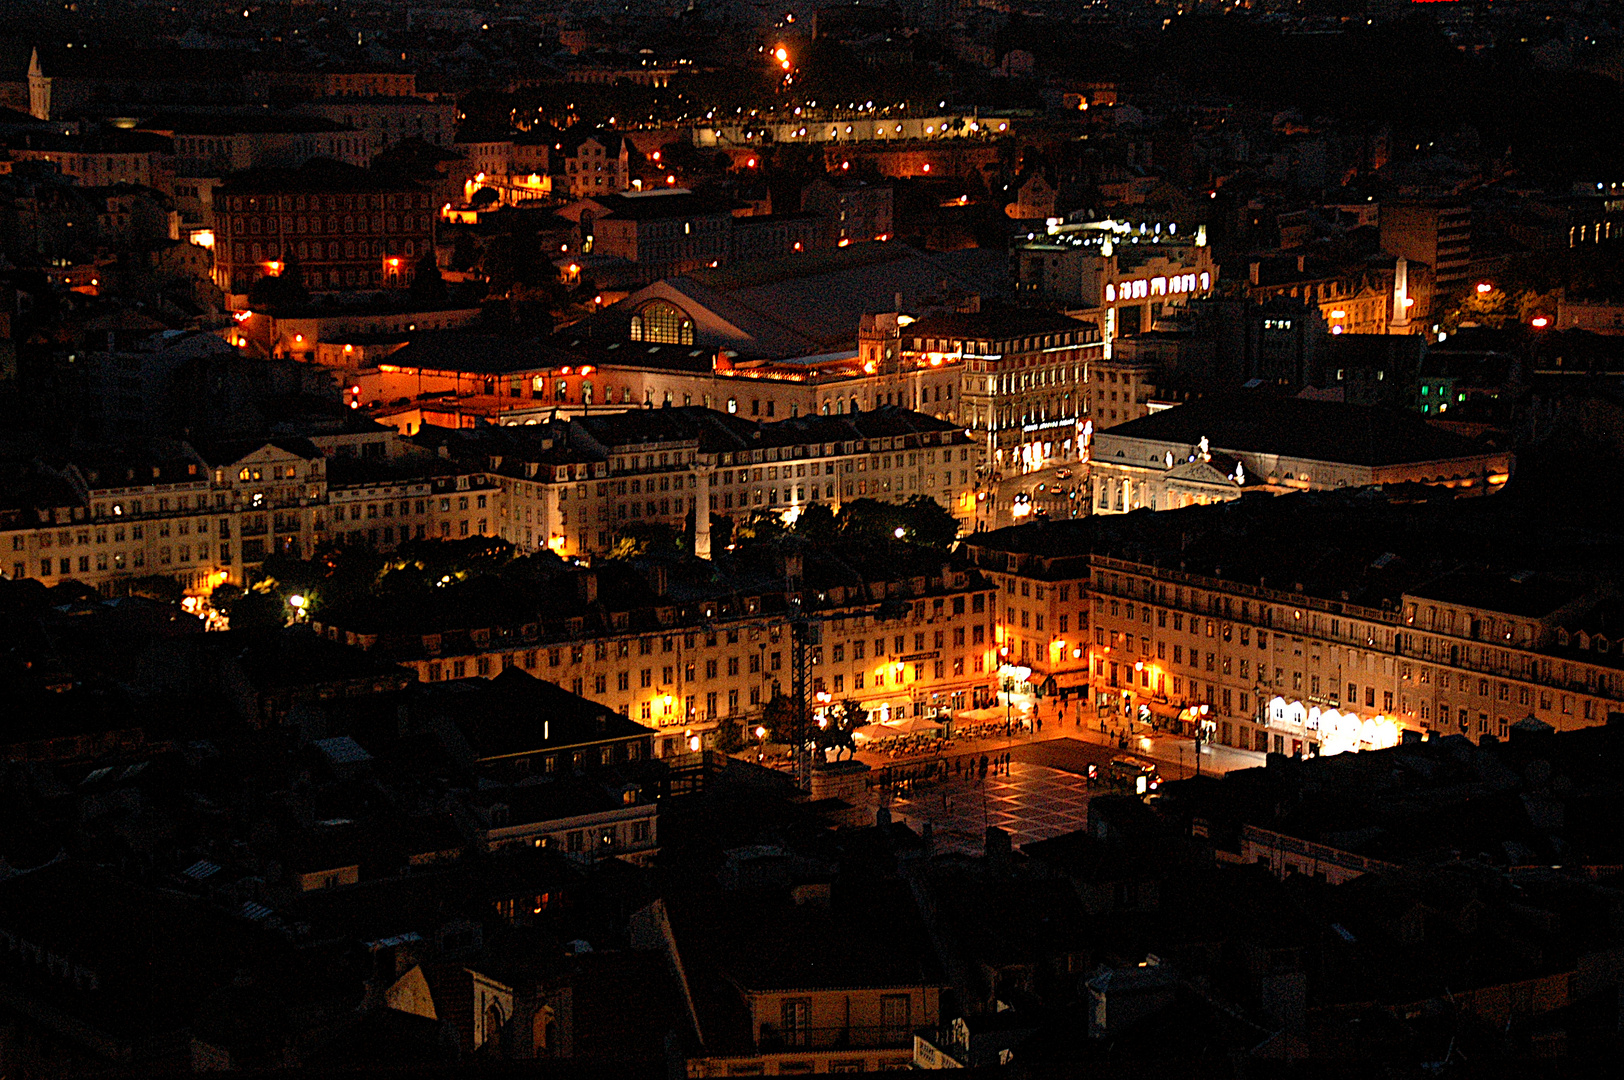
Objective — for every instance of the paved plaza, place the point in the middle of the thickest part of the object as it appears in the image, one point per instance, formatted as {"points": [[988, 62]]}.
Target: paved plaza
{"points": [[1034, 802]]}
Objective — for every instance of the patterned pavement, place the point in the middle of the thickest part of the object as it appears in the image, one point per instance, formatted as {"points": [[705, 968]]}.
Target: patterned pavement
{"points": [[1033, 802]]}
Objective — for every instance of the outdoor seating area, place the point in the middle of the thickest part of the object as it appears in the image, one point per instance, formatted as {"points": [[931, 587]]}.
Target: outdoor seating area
{"points": [[900, 738]]}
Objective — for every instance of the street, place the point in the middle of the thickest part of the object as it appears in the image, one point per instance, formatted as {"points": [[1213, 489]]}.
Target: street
{"points": [[1046, 489]]}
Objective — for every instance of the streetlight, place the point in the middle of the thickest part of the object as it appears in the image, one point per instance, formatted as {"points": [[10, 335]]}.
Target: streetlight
{"points": [[761, 740]]}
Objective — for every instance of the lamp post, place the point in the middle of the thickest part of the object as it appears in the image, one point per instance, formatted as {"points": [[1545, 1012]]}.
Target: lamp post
{"points": [[761, 743]]}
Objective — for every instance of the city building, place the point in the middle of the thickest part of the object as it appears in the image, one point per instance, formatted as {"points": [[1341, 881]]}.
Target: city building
{"points": [[112, 157], [858, 209], [215, 144], [685, 647], [599, 164], [1040, 577], [569, 767], [1123, 273], [67, 83], [347, 228], [678, 459], [1215, 449], [800, 984], [1020, 373], [210, 516], [665, 233], [1436, 234], [1382, 295], [390, 118]]}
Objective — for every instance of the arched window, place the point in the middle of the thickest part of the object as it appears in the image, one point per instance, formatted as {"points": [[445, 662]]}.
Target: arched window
{"points": [[662, 323]]}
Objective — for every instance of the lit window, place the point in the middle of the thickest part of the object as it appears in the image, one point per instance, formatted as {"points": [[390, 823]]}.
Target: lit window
{"points": [[662, 323]]}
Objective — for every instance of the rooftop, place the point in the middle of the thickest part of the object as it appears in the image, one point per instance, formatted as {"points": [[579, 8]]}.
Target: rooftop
{"points": [[1331, 431]]}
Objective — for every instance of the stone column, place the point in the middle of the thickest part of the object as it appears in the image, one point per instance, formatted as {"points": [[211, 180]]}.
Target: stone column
{"points": [[702, 526]]}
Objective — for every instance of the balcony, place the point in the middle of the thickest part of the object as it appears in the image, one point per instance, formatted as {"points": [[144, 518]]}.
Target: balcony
{"points": [[844, 1037]]}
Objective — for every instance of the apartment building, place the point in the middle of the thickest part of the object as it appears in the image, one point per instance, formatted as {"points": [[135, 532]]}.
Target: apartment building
{"points": [[389, 118], [347, 228], [1040, 576], [214, 144], [1021, 376], [1286, 647], [211, 515], [682, 647], [572, 485], [1434, 233], [598, 164], [798, 984]]}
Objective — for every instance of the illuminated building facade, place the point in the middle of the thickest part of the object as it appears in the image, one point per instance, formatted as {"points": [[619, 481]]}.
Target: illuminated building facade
{"points": [[1040, 579], [681, 666], [1274, 667], [1020, 378], [1382, 295], [211, 516], [1123, 274], [597, 165], [1277, 670], [573, 486]]}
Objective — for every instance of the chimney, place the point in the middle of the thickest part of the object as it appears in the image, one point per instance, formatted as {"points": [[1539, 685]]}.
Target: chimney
{"points": [[1254, 271], [587, 586], [658, 581], [1302, 263]]}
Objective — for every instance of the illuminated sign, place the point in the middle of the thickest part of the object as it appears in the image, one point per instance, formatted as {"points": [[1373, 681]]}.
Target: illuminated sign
{"points": [[1173, 285]]}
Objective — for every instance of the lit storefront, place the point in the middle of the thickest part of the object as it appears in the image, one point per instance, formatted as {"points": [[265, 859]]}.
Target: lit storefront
{"points": [[1326, 731]]}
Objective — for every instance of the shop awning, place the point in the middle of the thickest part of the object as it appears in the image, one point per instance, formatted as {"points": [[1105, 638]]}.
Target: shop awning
{"points": [[1162, 708], [916, 726]]}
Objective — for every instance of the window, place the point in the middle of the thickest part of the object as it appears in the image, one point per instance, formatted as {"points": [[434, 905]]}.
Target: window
{"points": [[662, 323]]}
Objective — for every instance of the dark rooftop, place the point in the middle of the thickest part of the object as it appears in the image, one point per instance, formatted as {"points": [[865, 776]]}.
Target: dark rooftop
{"points": [[1297, 428]]}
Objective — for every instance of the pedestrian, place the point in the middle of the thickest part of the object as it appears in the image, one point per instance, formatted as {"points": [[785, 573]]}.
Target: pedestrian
{"points": [[983, 766]]}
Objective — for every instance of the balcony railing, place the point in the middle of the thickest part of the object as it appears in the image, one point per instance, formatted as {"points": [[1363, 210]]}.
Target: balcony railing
{"points": [[844, 1037]]}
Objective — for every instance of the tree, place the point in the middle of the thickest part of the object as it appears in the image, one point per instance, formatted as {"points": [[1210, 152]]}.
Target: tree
{"points": [[781, 719], [721, 532], [645, 538], [816, 523], [760, 525], [282, 291], [921, 520], [730, 735], [252, 610], [428, 291]]}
